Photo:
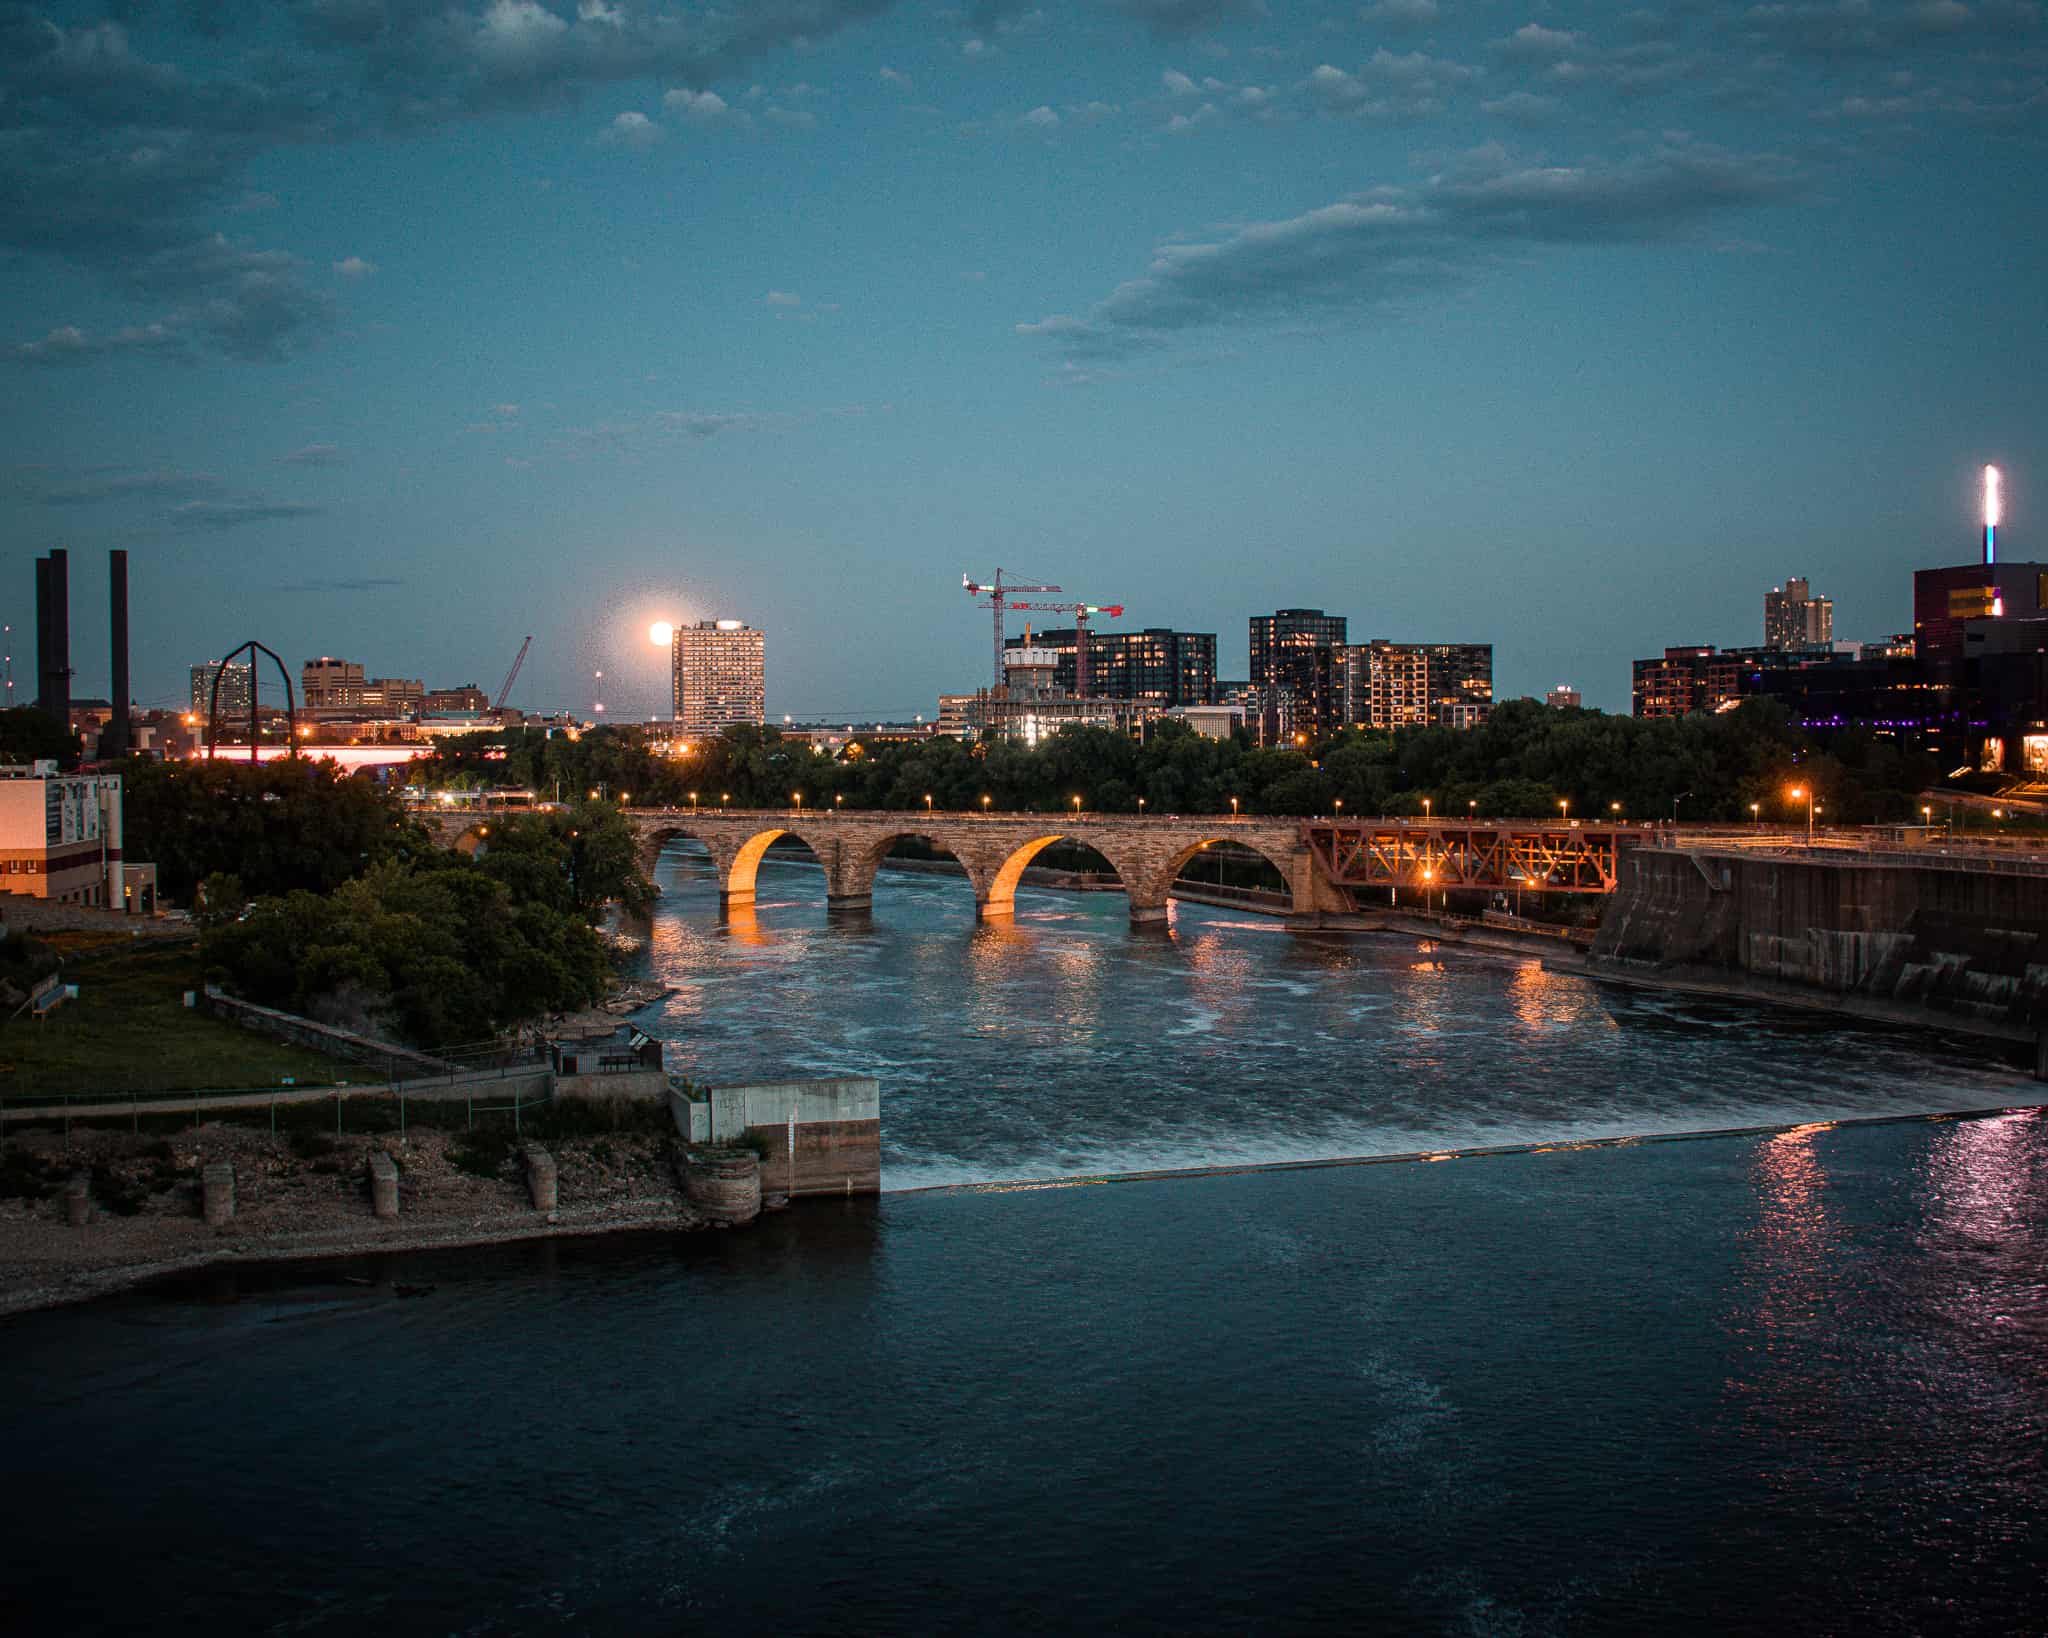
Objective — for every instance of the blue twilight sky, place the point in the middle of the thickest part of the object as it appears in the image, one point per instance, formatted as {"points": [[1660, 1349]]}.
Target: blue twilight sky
{"points": [[398, 329]]}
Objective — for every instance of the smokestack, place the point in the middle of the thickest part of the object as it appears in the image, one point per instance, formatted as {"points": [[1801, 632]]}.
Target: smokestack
{"points": [[117, 617], [1992, 509], [53, 637]]}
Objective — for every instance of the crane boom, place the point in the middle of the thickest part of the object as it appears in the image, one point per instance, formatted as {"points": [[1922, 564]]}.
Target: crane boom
{"points": [[1081, 613], [996, 592], [512, 676]]}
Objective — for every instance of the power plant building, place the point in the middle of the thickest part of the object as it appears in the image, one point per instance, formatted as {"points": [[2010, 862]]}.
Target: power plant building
{"points": [[718, 676]]}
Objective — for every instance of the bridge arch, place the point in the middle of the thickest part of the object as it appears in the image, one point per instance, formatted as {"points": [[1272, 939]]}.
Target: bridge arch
{"points": [[1001, 896], [737, 872], [1156, 884], [854, 881]]}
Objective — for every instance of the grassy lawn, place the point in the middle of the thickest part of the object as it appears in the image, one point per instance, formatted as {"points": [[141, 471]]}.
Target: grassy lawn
{"points": [[129, 1031]]}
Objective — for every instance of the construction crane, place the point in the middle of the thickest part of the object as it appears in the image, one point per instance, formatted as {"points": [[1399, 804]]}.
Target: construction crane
{"points": [[1082, 613], [511, 676], [996, 593]]}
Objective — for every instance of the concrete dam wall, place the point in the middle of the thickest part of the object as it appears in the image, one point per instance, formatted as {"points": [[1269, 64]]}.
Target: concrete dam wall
{"points": [[1966, 947]]}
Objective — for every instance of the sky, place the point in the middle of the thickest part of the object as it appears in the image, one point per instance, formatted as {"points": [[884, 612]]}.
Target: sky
{"points": [[401, 329]]}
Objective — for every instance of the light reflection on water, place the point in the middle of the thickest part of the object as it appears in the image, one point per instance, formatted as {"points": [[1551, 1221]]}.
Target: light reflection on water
{"points": [[1063, 1040]]}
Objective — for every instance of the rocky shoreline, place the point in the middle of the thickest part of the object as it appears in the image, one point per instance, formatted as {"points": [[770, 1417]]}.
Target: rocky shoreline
{"points": [[297, 1197]]}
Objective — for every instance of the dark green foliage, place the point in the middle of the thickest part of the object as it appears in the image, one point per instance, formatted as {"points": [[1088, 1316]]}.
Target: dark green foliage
{"points": [[24, 1177], [1520, 764], [274, 828], [112, 1192], [486, 1151], [441, 953], [28, 735], [579, 859]]}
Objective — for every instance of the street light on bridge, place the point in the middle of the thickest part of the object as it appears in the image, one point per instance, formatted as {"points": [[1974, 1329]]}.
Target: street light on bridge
{"points": [[1233, 807], [1564, 807], [798, 798], [1425, 810], [927, 803], [1756, 813], [1077, 806], [1141, 807], [984, 801], [693, 801], [1802, 793]]}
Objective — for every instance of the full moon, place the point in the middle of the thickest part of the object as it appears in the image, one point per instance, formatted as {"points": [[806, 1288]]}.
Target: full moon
{"points": [[661, 633]]}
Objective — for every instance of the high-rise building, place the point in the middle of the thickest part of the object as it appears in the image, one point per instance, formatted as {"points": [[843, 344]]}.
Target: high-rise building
{"points": [[718, 675], [1296, 673], [1795, 618], [237, 684], [1687, 679], [1156, 666], [1408, 685], [1563, 697], [328, 684]]}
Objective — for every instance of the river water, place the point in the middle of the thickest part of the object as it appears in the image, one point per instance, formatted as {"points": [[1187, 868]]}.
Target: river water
{"points": [[1785, 1383]]}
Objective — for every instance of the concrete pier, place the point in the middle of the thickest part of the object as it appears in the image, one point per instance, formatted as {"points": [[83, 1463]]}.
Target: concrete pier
{"points": [[78, 1200], [217, 1193], [540, 1176], [383, 1184], [723, 1186]]}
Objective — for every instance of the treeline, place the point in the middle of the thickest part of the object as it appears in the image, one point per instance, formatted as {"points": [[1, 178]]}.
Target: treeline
{"points": [[1522, 763], [321, 894]]}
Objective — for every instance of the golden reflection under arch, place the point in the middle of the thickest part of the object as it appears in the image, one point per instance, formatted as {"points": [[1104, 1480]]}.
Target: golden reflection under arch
{"points": [[1002, 892], [746, 864]]}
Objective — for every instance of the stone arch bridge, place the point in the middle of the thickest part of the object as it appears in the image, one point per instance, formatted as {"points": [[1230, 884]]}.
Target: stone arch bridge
{"points": [[1145, 853], [1320, 861]]}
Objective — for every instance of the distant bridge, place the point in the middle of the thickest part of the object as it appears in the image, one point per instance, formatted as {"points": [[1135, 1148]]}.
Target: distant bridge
{"points": [[1321, 861]]}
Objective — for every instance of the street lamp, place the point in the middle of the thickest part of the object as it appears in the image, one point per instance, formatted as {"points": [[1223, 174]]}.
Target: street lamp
{"points": [[693, 801], [1077, 806], [798, 798], [1141, 807], [984, 801], [1340, 809], [1756, 813], [1428, 892], [838, 800], [1614, 808], [1472, 808], [1564, 807], [1800, 793], [725, 797], [1233, 807], [1425, 810], [927, 802]]}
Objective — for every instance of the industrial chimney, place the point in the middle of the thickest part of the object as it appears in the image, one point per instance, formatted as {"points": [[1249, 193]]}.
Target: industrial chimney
{"points": [[114, 743], [53, 637]]}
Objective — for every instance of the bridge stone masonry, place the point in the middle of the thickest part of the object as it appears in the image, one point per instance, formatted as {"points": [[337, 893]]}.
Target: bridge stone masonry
{"points": [[1321, 861]]}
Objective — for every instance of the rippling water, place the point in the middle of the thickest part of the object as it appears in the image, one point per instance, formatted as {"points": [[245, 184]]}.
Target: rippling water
{"points": [[1067, 1042], [1794, 1384]]}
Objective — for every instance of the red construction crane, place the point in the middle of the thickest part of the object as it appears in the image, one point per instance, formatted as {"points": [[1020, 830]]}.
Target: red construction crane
{"points": [[512, 676], [1081, 613], [995, 594]]}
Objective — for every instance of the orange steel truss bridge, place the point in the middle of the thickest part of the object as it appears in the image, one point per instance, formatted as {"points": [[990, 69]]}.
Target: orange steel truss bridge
{"points": [[1498, 855]]}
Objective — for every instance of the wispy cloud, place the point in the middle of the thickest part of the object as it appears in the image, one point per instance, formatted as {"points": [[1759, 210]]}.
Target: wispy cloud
{"points": [[363, 583], [160, 484], [217, 517], [1376, 251], [315, 455]]}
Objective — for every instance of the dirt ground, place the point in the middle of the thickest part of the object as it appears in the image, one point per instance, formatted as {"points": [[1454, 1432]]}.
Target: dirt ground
{"points": [[295, 1196]]}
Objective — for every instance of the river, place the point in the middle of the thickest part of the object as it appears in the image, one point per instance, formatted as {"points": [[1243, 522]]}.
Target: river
{"points": [[1795, 1382]]}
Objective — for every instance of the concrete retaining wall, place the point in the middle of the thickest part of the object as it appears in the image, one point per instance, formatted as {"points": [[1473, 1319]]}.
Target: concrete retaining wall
{"points": [[395, 1061], [838, 1131], [1960, 945]]}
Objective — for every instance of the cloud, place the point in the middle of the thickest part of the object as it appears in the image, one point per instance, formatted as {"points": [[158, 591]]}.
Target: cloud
{"points": [[632, 129], [1178, 84], [1042, 118], [1389, 87], [783, 298], [1401, 14], [217, 517], [314, 455], [1523, 108], [505, 412], [362, 583], [977, 50], [161, 484], [254, 202], [1169, 19], [68, 344], [699, 107], [354, 267], [1534, 41], [708, 423], [1377, 251]]}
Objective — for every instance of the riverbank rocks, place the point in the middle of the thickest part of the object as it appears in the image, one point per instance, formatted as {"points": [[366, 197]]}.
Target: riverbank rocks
{"points": [[383, 1183], [217, 1193], [723, 1186], [540, 1176]]}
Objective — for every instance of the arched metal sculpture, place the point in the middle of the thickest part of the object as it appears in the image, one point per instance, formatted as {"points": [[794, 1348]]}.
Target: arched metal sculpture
{"points": [[291, 707]]}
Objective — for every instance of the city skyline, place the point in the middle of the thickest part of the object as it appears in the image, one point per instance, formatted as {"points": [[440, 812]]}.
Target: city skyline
{"points": [[1559, 329]]}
